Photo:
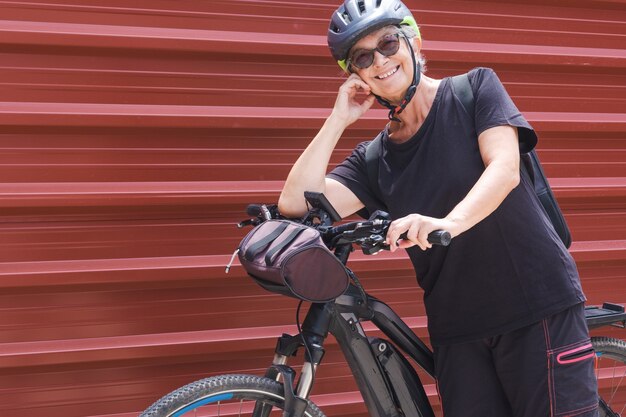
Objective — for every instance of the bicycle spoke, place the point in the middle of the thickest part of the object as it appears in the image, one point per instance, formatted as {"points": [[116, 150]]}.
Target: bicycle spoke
{"points": [[617, 375], [615, 387]]}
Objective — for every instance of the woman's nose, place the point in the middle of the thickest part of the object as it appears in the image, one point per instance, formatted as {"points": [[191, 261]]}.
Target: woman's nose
{"points": [[379, 59]]}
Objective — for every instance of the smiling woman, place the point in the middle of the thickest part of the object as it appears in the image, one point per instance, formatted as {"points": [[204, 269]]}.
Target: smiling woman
{"points": [[442, 166]]}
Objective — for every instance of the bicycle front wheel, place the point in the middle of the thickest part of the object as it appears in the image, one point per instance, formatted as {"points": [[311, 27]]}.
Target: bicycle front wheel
{"points": [[226, 395], [611, 372]]}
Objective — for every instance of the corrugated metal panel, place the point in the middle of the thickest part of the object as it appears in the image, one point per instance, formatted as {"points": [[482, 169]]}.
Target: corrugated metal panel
{"points": [[135, 132]]}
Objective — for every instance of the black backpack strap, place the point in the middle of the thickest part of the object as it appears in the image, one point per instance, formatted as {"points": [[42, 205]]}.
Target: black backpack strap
{"points": [[372, 155], [463, 90]]}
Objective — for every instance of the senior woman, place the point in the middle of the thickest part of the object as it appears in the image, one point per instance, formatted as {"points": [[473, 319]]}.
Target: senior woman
{"points": [[440, 167]]}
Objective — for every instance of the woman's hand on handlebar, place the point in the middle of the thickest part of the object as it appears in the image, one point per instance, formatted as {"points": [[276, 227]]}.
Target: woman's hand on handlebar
{"points": [[347, 109], [417, 229]]}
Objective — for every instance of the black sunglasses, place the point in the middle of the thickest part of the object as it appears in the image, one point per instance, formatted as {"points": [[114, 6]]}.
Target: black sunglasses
{"points": [[387, 45]]}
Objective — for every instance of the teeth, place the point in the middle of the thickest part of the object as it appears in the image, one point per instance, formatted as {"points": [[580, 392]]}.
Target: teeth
{"points": [[383, 76]]}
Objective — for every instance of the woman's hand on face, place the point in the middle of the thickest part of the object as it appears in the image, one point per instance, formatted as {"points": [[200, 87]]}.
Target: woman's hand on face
{"points": [[347, 107], [418, 228]]}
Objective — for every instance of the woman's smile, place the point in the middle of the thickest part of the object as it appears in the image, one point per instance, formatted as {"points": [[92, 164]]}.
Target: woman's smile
{"points": [[388, 73]]}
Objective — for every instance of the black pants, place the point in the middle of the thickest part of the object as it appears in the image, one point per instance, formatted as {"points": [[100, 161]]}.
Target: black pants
{"points": [[543, 370]]}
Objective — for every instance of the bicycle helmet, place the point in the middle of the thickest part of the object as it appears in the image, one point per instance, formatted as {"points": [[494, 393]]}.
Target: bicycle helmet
{"points": [[356, 18]]}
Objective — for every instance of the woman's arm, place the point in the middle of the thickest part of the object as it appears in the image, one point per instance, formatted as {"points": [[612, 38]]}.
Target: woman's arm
{"points": [[499, 149], [309, 171]]}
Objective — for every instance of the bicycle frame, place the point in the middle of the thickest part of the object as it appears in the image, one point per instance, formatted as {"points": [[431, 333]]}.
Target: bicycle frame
{"points": [[386, 380]]}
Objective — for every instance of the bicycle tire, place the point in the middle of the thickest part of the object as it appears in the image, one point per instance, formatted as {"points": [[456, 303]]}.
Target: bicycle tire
{"points": [[611, 374], [231, 393]]}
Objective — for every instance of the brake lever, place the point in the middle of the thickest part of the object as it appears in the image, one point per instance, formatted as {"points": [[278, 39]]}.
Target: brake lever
{"points": [[248, 222], [364, 231], [372, 244], [267, 215]]}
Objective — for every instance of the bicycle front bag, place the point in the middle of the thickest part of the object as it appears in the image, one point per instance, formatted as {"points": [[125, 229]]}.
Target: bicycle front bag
{"points": [[291, 259]]}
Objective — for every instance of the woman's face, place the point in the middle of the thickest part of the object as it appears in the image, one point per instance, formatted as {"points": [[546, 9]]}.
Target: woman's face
{"points": [[387, 76]]}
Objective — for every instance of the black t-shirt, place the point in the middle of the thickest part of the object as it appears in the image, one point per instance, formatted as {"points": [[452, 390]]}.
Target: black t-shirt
{"points": [[508, 271]]}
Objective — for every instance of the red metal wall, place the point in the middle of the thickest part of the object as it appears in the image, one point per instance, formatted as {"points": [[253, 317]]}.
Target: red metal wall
{"points": [[133, 134]]}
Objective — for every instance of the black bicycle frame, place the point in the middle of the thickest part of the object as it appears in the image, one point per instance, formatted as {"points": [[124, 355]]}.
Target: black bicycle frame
{"points": [[386, 380]]}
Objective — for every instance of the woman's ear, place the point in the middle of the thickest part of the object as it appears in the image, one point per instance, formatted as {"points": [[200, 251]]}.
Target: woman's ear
{"points": [[417, 44]]}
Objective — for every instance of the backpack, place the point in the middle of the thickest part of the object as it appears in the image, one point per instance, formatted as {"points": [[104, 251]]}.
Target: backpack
{"points": [[530, 166]]}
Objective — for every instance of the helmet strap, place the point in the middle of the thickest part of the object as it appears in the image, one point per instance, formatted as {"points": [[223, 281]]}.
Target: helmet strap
{"points": [[394, 110]]}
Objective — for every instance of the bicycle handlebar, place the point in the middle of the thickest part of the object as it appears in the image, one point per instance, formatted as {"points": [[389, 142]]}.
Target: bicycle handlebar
{"points": [[370, 235]]}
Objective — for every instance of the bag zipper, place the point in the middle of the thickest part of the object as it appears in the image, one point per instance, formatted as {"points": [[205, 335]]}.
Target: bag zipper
{"points": [[232, 259]]}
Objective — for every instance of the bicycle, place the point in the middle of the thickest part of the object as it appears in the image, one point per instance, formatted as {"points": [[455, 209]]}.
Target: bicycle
{"points": [[389, 384]]}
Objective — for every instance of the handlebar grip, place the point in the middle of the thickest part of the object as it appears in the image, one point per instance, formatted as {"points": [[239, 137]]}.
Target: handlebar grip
{"points": [[437, 237], [440, 237], [253, 210], [259, 210]]}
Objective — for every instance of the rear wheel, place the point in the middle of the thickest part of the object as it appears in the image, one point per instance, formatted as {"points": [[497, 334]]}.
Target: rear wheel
{"points": [[226, 395], [611, 374]]}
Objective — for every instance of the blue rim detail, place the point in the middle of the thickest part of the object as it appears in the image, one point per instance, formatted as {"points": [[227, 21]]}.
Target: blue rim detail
{"points": [[202, 402]]}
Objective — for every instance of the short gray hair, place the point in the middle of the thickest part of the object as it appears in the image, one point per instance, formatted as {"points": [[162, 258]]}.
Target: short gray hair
{"points": [[410, 33]]}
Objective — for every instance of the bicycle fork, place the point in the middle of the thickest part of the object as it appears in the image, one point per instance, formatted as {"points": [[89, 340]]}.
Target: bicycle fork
{"points": [[314, 332]]}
